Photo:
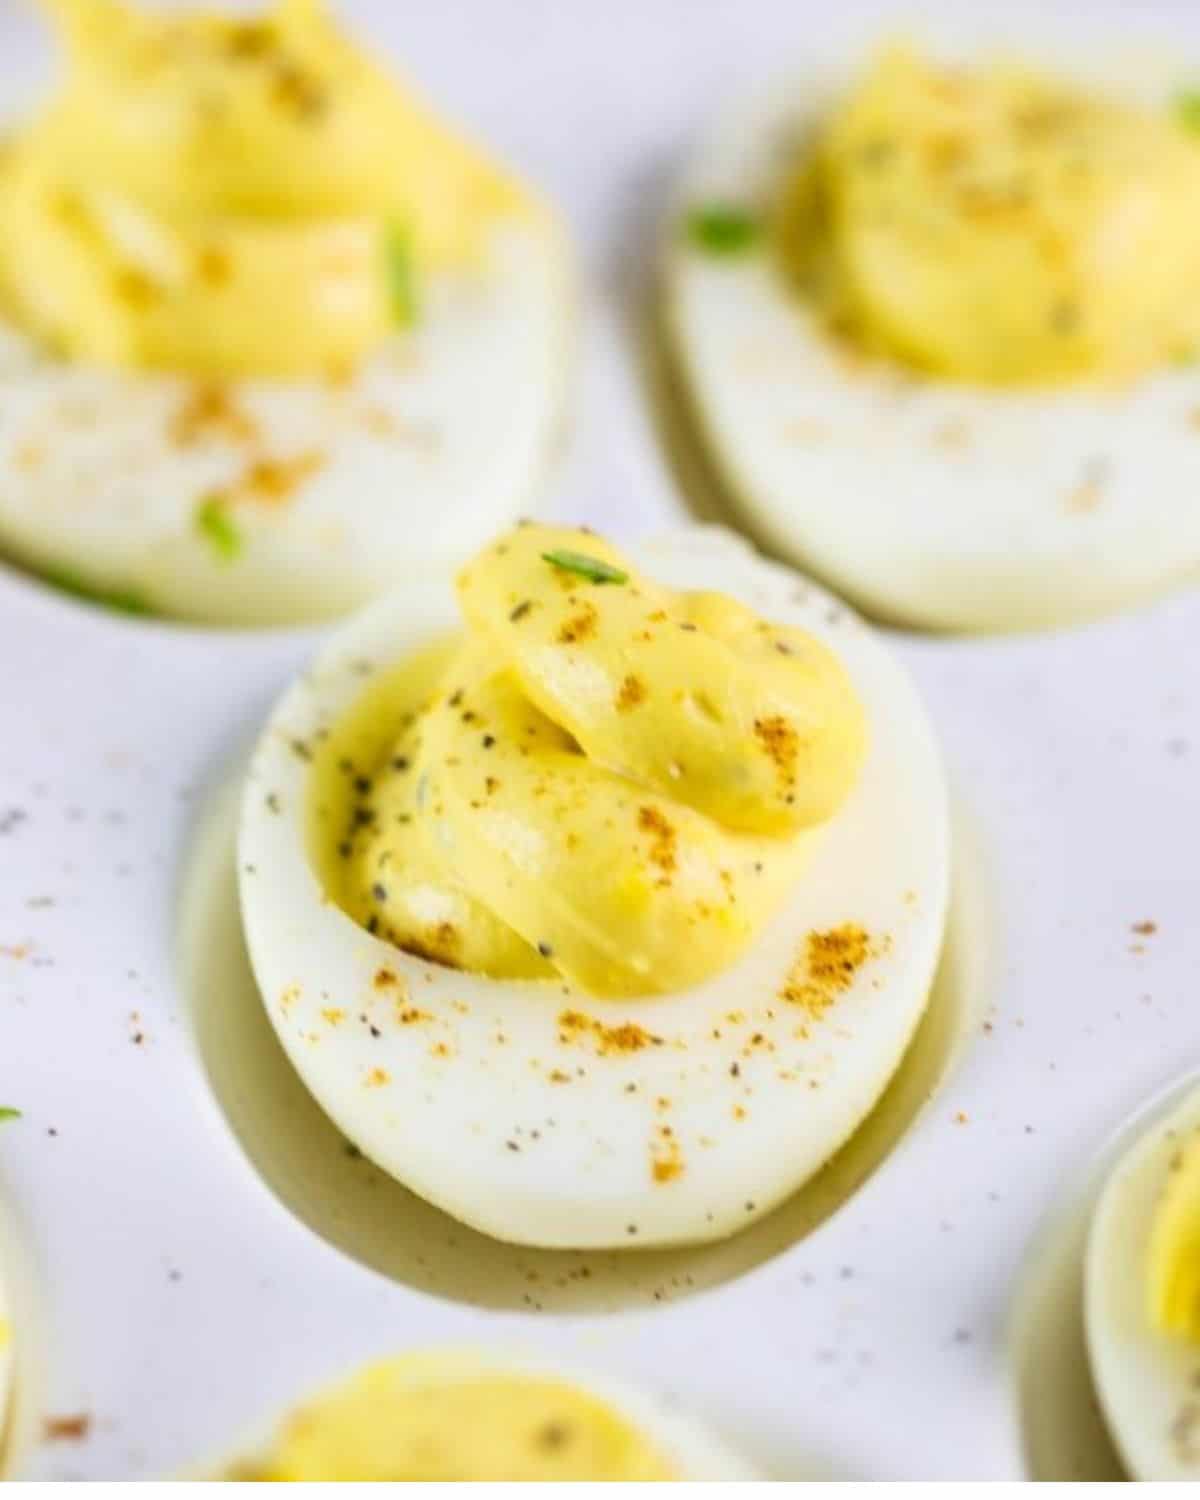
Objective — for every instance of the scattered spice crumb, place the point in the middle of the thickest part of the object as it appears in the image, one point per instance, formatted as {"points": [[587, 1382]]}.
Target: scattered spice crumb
{"points": [[72, 1429]]}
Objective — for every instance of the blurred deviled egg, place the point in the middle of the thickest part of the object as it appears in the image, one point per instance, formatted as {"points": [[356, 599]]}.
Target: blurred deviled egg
{"points": [[603, 915], [1142, 1299], [272, 337], [938, 323], [459, 1415]]}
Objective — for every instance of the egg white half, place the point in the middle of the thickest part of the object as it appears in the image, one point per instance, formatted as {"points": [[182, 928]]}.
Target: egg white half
{"points": [[924, 501], [1148, 1384], [694, 1452], [487, 1111], [434, 444]]}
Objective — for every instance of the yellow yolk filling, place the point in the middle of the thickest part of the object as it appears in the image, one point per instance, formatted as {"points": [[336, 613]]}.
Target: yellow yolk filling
{"points": [[993, 225], [230, 196], [611, 781], [422, 1418], [1173, 1260]]}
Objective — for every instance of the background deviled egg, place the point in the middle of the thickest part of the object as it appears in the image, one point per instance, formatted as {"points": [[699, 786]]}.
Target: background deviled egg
{"points": [[529, 1107], [464, 1415], [271, 336], [937, 327], [1142, 1299]]}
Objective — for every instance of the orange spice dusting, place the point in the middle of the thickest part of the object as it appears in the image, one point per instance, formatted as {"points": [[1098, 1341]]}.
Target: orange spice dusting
{"points": [[781, 743], [377, 1077], [439, 945], [628, 1037], [666, 1157], [827, 967], [580, 626], [385, 979], [334, 1016], [1145, 929], [210, 412], [631, 692], [409, 1015], [652, 821], [273, 481]]}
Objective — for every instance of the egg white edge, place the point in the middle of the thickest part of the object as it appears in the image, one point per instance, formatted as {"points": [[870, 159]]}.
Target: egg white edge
{"points": [[488, 364], [1138, 1373], [855, 506]]}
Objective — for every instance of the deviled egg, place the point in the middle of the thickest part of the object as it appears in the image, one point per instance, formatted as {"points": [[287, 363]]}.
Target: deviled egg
{"points": [[1142, 1299], [606, 920], [461, 1415], [938, 323], [272, 337]]}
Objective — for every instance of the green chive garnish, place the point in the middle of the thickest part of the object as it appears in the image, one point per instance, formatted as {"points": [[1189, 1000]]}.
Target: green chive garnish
{"points": [[720, 229], [219, 529], [1187, 109], [594, 569], [7, 1112], [125, 601], [401, 283]]}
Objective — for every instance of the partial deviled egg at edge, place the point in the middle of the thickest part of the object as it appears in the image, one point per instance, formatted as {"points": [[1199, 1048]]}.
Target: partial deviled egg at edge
{"points": [[471, 1416], [7, 1370], [272, 337], [1142, 1299], [605, 921], [937, 325]]}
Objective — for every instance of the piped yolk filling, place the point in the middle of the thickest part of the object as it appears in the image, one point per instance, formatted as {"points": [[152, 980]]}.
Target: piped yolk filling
{"points": [[994, 225], [611, 781], [227, 196]]}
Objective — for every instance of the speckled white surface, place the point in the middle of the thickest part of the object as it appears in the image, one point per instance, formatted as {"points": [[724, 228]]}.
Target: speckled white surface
{"points": [[175, 1298]]}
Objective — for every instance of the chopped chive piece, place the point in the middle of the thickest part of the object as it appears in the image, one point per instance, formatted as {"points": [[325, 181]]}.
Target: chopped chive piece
{"points": [[1187, 109], [125, 601], [401, 283], [720, 229], [219, 529], [7, 1112], [594, 569]]}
